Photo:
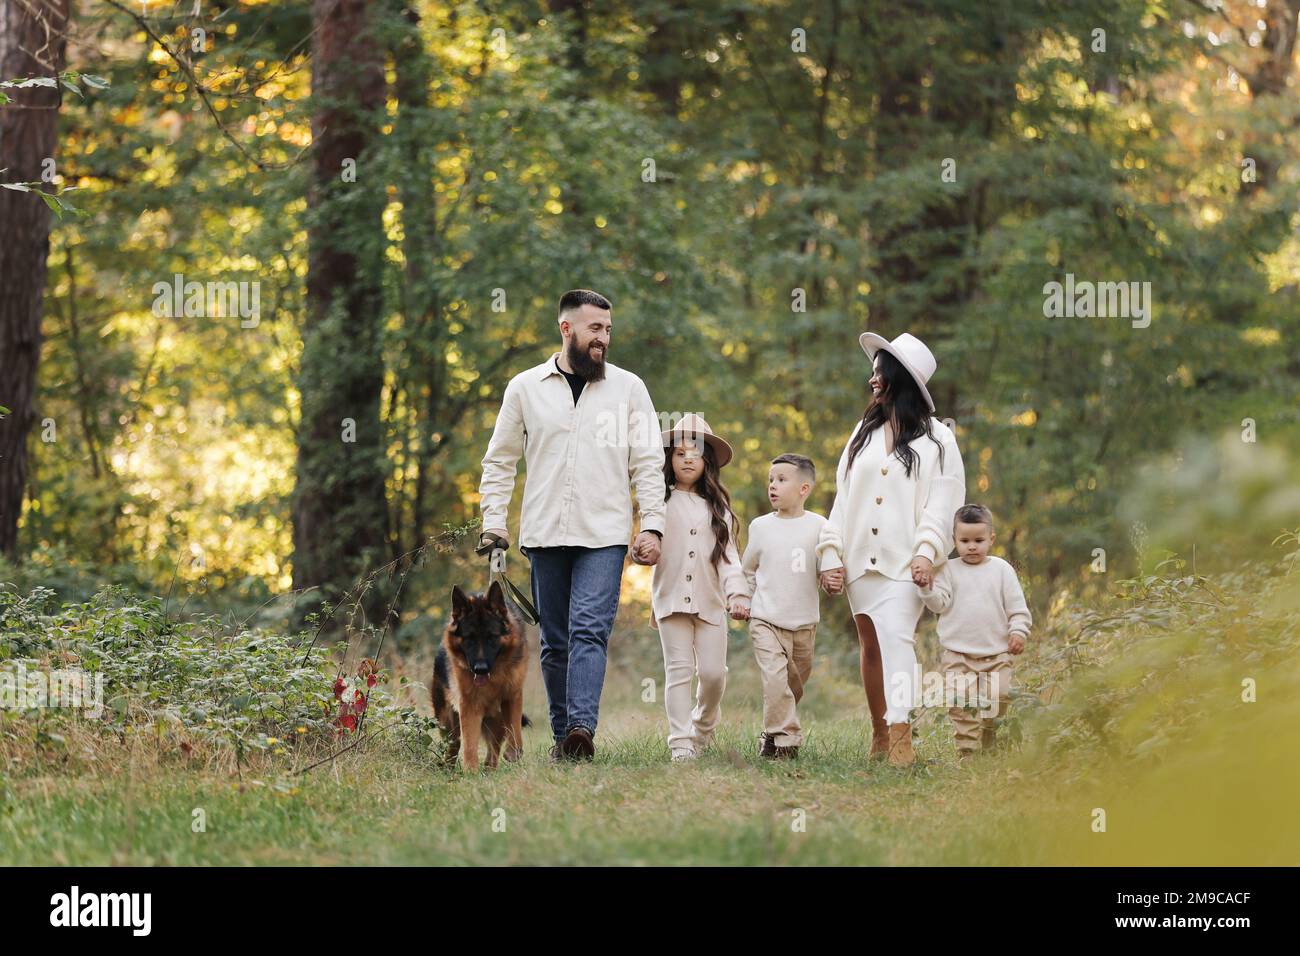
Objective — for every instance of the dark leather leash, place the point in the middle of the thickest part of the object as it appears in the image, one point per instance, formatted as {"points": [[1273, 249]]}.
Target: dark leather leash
{"points": [[495, 548]]}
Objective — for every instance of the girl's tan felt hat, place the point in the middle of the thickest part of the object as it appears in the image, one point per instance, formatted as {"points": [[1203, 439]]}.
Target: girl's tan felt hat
{"points": [[693, 427], [914, 355]]}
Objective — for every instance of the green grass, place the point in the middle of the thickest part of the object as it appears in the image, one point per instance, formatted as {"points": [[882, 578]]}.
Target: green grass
{"points": [[1225, 800], [1154, 732], [630, 806]]}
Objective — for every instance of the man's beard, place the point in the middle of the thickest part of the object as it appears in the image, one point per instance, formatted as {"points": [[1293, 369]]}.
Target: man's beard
{"points": [[583, 364]]}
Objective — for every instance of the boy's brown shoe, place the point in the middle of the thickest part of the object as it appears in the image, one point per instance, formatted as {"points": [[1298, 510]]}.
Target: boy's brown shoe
{"points": [[900, 745], [767, 746], [879, 740], [787, 753]]}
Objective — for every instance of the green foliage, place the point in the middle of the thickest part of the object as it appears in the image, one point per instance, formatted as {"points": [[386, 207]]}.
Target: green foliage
{"points": [[69, 80], [518, 167], [194, 680], [1134, 681]]}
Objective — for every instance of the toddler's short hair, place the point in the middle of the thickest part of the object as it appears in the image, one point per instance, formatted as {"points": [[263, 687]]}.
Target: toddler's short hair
{"points": [[973, 514], [801, 462]]}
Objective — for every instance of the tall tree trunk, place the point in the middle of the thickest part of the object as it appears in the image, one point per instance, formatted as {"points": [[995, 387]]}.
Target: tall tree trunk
{"points": [[31, 44], [663, 66], [412, 73], [339, 508], [572, 14]]}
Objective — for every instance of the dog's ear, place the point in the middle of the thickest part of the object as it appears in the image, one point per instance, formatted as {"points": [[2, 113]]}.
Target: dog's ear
{"points": [[459, 602], [496, 597]]}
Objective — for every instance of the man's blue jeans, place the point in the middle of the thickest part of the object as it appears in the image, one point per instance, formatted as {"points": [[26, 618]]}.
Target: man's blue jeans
{"points": [[576, 594]]}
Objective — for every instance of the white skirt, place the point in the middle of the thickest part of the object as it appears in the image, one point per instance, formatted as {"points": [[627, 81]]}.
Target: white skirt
{"points": [[894, 608]]}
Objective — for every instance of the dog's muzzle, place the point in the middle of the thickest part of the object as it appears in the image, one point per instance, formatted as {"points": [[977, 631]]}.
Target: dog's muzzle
{"points": [[481, 674]]}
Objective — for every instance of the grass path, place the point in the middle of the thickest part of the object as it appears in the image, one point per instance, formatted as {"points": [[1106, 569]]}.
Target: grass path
{"points": [[1211, 806], [630, 806], [1222, 792]]}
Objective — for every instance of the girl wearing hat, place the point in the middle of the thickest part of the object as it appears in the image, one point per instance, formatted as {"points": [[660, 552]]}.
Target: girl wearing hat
{"points": [[899, 483], [697, 583]]}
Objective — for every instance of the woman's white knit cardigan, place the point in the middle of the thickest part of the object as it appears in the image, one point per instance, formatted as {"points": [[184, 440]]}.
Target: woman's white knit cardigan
{"points": [[882, 519]]}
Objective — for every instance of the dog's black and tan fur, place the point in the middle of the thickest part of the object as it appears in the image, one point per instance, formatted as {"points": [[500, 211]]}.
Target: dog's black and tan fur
{"points": [[478, 678]]}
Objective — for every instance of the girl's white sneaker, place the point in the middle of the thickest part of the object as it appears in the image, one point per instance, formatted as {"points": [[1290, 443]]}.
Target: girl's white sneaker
{"points": [[682, 753]]}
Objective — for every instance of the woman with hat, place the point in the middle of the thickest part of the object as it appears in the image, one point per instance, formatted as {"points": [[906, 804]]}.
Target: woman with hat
{"points": [[697, 583], [900, 481]]}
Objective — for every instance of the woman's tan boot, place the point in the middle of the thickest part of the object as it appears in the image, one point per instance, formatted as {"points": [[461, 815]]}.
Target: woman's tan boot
{"points": [[900, 745], [879, 739]]}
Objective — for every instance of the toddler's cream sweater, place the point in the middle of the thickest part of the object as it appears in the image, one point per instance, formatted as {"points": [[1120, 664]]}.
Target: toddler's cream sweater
{"points": [[979, 606]]}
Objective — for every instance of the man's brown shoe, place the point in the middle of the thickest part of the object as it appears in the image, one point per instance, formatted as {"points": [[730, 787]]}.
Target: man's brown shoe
{"points": [[879, 740], [900, 745], [787, 753], [578, 744], [767, 746]]}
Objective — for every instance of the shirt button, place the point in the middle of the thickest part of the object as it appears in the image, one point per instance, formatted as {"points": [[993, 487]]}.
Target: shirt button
{"points": [[692, 531], [690, 554], [688, 600], [873, 560], [688, 577], [875, 531], [879, 499], [884, 471]]}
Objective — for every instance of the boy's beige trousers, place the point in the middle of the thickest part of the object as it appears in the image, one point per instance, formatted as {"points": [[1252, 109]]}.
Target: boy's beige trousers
{"points": [[974, 679], [784, 662]]}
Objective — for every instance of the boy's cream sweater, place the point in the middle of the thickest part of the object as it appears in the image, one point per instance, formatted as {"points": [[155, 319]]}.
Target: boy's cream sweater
{"points": [[979, 606], [780, 566]]}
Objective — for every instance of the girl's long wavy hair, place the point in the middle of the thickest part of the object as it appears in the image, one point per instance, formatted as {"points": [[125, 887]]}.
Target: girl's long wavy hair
{"points": [[901, 404], [714, 492]]}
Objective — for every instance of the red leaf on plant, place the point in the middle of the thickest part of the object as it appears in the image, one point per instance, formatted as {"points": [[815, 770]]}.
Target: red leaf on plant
{"points": [[338, 687], [349, 721], [370, 681], [359, 705]]}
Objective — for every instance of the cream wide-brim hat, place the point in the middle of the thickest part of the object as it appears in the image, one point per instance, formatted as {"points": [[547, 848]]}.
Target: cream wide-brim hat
{"points": [[911, 352], [693, 427]]}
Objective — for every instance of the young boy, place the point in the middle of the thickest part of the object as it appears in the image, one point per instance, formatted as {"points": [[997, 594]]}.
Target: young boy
{"points": [[781, 566], [983, 622]]}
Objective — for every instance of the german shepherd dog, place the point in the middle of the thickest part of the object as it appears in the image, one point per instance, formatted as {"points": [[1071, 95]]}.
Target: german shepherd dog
{"points": [[478, 678]]}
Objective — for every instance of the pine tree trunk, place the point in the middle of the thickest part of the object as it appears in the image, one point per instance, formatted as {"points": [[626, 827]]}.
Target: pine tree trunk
{"points": [[339, 508], [31, 44]]}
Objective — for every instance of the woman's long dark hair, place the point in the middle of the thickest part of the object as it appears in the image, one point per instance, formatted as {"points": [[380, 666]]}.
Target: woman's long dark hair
{"points": [[715, 494], [902, 404]]}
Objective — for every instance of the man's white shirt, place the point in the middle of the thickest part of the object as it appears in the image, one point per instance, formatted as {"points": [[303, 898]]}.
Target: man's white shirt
{"points": [[581, 459]]}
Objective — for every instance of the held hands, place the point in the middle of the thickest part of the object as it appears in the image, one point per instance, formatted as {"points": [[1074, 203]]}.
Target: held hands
{"points": [[922, 572], [645, 549], [739, 609], [832, 582], [1016, 643]]}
